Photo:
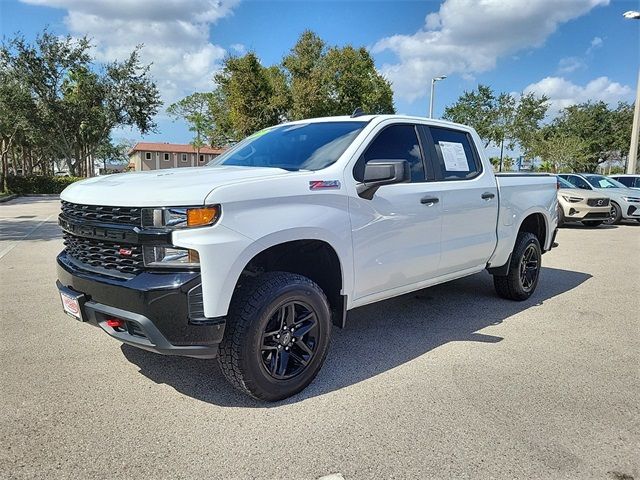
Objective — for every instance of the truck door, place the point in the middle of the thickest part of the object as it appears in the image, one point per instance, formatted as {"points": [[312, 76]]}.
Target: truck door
{"points": [[469, 200], [396, 234]]}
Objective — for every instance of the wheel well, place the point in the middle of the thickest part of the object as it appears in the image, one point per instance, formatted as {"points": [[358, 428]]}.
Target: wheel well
{"points": [[536, 224], [315, 259]]}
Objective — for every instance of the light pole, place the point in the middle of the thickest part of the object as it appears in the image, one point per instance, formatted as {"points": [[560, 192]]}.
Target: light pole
{"points": [[633, 148], [433, 83]]}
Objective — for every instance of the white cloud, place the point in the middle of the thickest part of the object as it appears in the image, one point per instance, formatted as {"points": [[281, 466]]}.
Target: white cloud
{"points": [[238, 48], [466, 36], [563, 93], [596, 42], [175, 35], [570, 64]]}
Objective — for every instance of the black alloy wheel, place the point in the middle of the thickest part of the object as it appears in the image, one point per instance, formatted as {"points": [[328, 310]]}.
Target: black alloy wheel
{"points": [[289, 340], [529, 268], [276, 336], [524, 269]]}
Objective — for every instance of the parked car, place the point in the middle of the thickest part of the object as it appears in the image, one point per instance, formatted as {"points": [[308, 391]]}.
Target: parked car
{"points": [[254, 257], [575, 205], [628, 180], [625, 202]]}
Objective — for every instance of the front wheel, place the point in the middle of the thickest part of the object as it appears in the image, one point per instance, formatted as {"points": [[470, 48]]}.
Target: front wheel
{"points": [[615, 215], [524, 270], [277, 335]]}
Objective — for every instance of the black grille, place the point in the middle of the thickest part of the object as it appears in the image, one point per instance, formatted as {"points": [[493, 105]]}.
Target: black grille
{"points": [[97, 213], [105, 255], [593, 202]]}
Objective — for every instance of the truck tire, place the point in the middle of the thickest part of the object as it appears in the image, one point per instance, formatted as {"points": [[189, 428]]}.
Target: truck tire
{"points": [[277, 335], [561, 218], [592, 223], [524, 271], [615, 215]]}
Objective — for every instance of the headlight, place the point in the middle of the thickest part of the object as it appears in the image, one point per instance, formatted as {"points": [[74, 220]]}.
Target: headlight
{"points": [[180, 217], [631, 199], [169, 257], [572, 199]]}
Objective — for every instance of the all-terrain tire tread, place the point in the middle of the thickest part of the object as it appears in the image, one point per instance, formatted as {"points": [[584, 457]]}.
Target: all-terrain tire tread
{"points": [[508, 286], [247, 299]]}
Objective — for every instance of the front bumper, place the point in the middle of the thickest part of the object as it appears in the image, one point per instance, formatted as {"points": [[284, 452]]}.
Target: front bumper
{"points": [[580, 212], [162, 310]]}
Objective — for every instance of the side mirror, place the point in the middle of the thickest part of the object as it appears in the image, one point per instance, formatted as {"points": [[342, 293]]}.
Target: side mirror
{"points": [[382, 172]]}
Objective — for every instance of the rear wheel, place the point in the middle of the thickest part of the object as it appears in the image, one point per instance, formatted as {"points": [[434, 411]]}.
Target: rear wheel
{"points": [[592, 223], [277, 335], [524, 270], [615, 215]]}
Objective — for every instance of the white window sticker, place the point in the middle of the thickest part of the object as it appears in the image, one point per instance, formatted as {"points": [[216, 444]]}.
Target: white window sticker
{"points": [[455, 160]]}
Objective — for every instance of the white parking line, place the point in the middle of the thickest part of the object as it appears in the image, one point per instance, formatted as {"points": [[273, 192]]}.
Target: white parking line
{"points": [[24, 237]]}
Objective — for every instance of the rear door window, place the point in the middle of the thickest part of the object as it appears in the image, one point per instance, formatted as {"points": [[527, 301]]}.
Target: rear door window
{"points": [[456, 158]]}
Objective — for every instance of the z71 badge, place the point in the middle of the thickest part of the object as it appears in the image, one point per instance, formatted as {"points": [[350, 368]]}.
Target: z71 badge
{"points": [[324, 184]]}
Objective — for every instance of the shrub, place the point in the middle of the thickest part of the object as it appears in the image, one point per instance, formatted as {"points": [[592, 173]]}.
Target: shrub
{"points": [[38, 184]]}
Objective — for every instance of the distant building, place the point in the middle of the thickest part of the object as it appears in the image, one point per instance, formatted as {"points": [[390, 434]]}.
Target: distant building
{"points": [[155, 156]]}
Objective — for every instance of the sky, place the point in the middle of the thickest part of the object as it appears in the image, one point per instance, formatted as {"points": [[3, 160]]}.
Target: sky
{"points": [[570, 50]]}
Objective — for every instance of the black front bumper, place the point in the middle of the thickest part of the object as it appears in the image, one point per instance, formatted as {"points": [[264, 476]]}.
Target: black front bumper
{"points": [[162, 310]]}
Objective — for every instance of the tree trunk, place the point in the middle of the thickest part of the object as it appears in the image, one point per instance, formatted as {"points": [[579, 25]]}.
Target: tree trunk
{"points": [[501, 153]]}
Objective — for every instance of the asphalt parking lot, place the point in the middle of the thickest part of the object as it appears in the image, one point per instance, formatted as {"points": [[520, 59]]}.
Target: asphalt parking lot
{"points": [[449, 382]]}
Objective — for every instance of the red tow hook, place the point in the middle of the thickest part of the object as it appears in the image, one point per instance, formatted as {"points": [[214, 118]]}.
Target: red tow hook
{"points": [[115, 323]]}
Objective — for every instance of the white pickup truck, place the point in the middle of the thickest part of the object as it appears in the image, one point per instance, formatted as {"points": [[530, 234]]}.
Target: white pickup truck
{"points": [[255, 256]]}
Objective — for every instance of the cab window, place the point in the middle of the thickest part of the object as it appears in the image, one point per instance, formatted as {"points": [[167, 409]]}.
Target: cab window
{"points": [[456, 158], [397, 142]]}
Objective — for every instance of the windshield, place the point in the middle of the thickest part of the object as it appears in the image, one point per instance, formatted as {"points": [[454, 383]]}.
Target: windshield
{"points": [[562, 183], [598, 181], [306, 146]]}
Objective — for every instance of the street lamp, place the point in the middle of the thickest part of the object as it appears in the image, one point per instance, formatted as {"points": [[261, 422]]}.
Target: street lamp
{"points": [[633, 148], [433, 83]]}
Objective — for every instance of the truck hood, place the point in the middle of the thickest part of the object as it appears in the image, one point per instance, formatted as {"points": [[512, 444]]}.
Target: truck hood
{"points": [[162, 188]]}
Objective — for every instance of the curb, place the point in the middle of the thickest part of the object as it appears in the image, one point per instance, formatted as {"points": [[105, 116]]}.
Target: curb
{"points": [[39, 195], [50, 195]]}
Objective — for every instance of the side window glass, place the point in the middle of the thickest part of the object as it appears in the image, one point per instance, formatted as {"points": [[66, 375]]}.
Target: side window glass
{"points": [[581, 183], [456, 158], [397, 142], [628, 181]]}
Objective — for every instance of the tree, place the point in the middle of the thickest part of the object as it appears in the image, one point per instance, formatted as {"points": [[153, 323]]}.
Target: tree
{"points": [[247, 89], [558, 151], [503, 120], [603, 133], [196, 111], [352, 81], [307, 77], [477, 109], [312, 81], [76, 105]]}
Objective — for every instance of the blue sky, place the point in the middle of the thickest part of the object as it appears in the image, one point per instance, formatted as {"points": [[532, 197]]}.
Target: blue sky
{"points": [[570, 50]]}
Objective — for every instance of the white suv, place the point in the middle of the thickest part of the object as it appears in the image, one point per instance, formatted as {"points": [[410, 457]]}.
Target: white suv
{"points": [[625, 202]]}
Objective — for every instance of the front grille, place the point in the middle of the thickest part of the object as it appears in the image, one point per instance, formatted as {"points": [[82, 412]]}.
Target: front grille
{"points": [[97, 213], [593, 202], [105, 255]]}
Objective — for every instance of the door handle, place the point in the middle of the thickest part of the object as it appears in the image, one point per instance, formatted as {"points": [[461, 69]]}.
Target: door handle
{"points": [[487, 195], [429, 200]]}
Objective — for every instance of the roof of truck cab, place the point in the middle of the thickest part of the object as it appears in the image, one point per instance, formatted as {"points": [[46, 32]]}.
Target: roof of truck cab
{"points": [[368, 118]]}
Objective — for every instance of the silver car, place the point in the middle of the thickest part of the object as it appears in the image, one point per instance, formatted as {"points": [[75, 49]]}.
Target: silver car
{"points": [[625, 202]]}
